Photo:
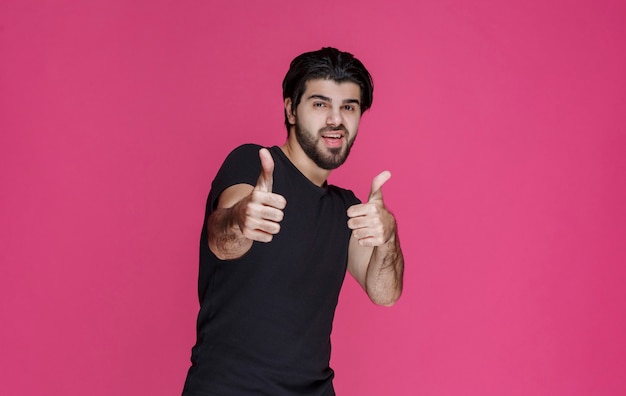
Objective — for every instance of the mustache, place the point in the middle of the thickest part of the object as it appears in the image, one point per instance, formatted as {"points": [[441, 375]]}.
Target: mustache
{"points": [[334, 128]]}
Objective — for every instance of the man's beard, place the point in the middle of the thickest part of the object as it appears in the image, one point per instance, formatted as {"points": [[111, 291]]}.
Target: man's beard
{"points": [[329, 161]]}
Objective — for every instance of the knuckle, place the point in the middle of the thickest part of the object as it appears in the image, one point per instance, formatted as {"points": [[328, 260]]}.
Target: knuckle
{"points": [[279, 200], [248, 234], [266, 213]]}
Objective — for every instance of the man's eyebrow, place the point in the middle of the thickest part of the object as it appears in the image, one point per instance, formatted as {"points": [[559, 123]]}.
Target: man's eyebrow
{"points": [[327, 99], [321, 97]]}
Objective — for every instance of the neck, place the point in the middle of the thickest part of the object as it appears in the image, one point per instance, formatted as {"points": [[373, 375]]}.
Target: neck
{"points": [[305, 165]]}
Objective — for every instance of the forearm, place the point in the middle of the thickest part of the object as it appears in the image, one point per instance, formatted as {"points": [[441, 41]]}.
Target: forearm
{"points": [[383, 281], [226, 240]]}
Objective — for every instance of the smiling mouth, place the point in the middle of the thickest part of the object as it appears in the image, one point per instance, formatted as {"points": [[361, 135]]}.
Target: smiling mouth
{"points": [[333, 136], [333, 140], [334, 132]]}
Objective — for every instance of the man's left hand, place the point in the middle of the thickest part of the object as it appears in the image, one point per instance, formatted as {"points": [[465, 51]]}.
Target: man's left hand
{"points": [[371, 223]]}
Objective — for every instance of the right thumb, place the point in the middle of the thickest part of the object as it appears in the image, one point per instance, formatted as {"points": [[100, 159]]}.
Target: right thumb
{"points": [[266, 178]]}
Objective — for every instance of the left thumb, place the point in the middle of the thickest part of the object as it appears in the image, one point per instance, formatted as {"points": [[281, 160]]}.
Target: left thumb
{"points": [[377, 184]]}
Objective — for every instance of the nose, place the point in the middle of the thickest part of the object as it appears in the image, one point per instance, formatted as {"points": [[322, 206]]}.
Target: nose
{"points": [[333, 117]]}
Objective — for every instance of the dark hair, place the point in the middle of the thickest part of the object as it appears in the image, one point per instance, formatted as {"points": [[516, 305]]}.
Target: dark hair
{"points": [[329, 64]]}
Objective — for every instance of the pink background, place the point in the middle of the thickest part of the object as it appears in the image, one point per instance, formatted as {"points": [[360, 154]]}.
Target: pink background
{"points": [[503, 124]]}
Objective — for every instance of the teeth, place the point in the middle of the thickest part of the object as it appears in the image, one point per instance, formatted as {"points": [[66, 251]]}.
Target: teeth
{"points": [[334, 136]]}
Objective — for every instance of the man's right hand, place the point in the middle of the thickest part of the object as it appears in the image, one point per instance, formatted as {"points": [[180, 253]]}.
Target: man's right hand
{"points": [[259, 214]]}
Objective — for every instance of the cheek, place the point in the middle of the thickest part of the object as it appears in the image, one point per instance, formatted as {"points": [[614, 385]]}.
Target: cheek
{"points": [[309, 118], [353, 125]]}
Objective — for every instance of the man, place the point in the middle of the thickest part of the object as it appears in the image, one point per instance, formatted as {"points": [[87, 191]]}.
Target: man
{"points": [[277, 240]]}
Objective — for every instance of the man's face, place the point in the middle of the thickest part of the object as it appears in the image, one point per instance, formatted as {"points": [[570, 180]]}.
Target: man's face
{"points": [[327, 120]]}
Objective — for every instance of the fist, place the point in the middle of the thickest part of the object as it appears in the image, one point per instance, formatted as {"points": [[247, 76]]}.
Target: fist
{"points": [[261, 212], [371, 223]]}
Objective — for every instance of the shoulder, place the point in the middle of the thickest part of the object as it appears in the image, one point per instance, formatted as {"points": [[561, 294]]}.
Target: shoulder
{"points": [[244, 151], [245, 156], [242, 165]]}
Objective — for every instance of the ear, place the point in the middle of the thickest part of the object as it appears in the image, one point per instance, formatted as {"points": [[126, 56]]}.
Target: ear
{"points": [[288, 111]]}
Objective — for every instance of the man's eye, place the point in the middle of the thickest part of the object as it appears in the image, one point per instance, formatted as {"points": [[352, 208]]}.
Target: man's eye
{"points": [[349, 107], [318, 104]]}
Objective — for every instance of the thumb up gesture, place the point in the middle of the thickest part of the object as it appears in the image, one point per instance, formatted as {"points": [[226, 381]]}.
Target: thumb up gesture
{"points": [[371, 223], [262, 211]]}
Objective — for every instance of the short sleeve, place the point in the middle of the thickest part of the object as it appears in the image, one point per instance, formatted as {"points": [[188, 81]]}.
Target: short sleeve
{"points": [[242, 165]]}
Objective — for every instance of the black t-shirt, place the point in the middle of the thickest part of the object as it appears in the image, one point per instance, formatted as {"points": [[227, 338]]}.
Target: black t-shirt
{"points": [[265, 319]]}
